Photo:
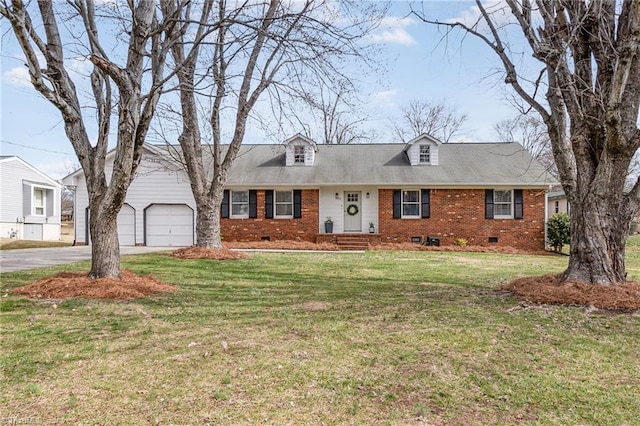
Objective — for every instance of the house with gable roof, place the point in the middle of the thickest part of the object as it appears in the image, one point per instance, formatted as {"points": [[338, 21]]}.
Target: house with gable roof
{"points": [[424, 190], [29, 202]]}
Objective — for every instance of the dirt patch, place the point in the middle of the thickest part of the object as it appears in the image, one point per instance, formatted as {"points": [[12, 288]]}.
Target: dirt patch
{"points": [[77, 284], [549, 289], [207, 253]]}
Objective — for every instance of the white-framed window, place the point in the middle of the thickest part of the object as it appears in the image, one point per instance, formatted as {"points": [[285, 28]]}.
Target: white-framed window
{"points": [[410, 203], [239, 204], [283, 204], [298, 154], [503, 203], [557, 206], [39, 201], [425, 154]]}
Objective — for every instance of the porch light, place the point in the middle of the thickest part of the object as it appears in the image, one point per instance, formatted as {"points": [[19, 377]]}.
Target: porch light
{"points": [[337, 196], [367, 195]]}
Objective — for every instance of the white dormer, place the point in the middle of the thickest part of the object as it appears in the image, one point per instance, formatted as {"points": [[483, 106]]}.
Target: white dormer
{"points": [[300, 151], [423, 151]]}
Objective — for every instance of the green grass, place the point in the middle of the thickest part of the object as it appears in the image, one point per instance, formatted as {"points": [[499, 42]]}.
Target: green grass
{"points": [[374, 338], [8, 244]]}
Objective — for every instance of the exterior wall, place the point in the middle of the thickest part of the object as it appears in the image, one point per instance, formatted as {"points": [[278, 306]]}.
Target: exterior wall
{"points": [[563, 206], [154, 184], [302, 229], [17, 180], [335, 208], [460, 213]]}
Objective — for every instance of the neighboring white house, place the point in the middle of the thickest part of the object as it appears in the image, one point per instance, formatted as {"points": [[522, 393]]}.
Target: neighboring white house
{"points": [[29, 202]]}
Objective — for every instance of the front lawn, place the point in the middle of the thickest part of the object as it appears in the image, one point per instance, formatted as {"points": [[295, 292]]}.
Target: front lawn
{"points": [[320, 338]]}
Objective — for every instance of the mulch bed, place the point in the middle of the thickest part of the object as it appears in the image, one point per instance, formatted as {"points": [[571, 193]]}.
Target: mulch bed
{"points": [[549, 289], [207, 253], [65, 285]]}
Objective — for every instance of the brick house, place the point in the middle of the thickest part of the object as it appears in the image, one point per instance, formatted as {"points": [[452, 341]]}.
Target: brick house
{"points": [[486, 193]]}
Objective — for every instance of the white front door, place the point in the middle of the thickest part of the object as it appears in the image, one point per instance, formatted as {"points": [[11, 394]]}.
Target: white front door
{"points": [[352, 214]]}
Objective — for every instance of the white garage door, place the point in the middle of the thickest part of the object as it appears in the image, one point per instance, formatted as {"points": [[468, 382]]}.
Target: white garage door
{"points": [[169, 225], [127, 226]]}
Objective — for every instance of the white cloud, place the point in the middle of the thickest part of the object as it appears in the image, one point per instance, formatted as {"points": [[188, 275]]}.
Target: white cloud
{"points": [[18, 77], [385, 98], [497, 9], [80, 65], [392, 30]]}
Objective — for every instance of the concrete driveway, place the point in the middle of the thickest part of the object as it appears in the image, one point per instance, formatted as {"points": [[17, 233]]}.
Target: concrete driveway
{"points": [[18, 260]]}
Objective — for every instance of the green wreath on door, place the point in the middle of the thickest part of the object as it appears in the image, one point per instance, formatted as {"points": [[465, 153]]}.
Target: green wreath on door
{"points": [[352, 210]]}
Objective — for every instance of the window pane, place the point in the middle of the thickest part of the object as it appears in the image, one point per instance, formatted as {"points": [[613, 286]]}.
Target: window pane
{"points": [[284, 196], [410, 210], [240, 209], [425, 151], [410, 196], [284, 210], [240, 196], [502, 209], [502, 196]]}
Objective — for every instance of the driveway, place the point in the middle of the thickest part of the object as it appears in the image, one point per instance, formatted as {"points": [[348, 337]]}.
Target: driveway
{"points": [[18, 260]]}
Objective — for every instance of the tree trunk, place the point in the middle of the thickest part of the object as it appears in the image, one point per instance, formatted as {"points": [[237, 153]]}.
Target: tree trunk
{"points": [[105, 248], [208, 224], [597, 247]]}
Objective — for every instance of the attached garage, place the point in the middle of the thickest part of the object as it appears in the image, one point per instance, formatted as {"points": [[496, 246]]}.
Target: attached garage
{"points": [[126, 226], [169, 225]]}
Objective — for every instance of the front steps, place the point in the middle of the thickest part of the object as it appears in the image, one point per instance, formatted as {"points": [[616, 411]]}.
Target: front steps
{"points": [[349, 241]]}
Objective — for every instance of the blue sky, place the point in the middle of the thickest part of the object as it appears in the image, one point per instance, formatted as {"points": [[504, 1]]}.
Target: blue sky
{"points": [[420, 66]]}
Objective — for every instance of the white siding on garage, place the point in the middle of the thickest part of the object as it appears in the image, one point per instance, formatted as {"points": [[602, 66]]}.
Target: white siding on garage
{"points": [[169, 225], [153, 184]]}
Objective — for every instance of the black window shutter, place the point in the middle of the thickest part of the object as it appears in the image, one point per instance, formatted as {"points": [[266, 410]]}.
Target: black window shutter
{"points": [[518, 204], [268, 204], [426, 203], [488, 204], [297, 203], [253, 204], [397, 204], [225, 204]]}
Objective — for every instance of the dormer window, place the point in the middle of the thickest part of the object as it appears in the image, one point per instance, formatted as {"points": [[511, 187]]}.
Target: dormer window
{"points": [[300, 151], [425, 154], [298, 154], [423, 150]]}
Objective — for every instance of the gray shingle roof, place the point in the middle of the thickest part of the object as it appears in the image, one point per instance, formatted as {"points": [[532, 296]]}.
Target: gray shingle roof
{"points": [[386, 165]]}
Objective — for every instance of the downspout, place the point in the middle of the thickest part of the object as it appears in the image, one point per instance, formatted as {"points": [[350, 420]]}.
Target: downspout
{"points": [[546, 215]]}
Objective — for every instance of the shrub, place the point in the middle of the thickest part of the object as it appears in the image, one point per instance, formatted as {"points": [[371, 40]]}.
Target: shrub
{"points": [[558, 231], [460, 242]]}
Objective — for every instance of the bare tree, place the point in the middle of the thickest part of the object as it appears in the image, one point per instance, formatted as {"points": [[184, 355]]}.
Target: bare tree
{"points": [[330, 113], [532, 134], [425, 117], [133, 86], [589, 72], [260, 50]]}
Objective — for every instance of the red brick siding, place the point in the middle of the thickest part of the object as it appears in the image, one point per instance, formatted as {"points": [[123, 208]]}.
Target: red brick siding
{"points": [[303, 229], [459, 213]]}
